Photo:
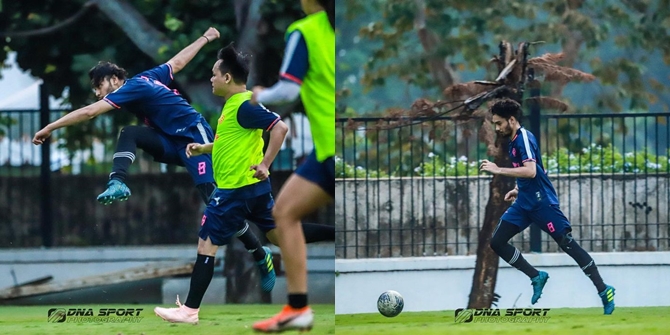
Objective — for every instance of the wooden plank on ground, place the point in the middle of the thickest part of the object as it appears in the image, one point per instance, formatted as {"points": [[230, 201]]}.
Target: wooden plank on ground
{"points": [[128, 275]]}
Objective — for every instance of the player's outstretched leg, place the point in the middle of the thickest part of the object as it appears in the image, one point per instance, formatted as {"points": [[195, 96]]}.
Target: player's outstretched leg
{"points": [[267, 269], [607, 297], [538, 283], [500, 244], [203, 270], [116, 190], [588, 265]]}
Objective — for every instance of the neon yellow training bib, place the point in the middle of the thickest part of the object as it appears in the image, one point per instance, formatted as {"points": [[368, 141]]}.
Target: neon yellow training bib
{"points": [[318, 87], [235, 148]]}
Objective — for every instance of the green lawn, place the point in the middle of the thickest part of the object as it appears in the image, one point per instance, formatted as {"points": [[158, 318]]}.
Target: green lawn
{"points": [[628, 321], [214, 319]]}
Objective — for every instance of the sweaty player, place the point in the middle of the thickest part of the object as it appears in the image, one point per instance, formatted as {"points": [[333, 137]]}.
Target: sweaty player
{"points": [[241, 170], [308, 70], [536, 202], [171, 124]]}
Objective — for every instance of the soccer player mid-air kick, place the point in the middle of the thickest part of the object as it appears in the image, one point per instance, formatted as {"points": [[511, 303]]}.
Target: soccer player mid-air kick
{"points": [[535, 201]]}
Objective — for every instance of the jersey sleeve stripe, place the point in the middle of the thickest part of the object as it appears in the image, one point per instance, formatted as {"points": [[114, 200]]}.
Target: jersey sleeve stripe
{"points": [[529, 152], [293, 40], [111, 103], [529, 160], [170, 67], [291, 78], [273, 123], [203, 133]]}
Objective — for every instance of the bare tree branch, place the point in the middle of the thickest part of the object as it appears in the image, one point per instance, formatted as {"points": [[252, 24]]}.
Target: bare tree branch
{"points": [[49, 30]]}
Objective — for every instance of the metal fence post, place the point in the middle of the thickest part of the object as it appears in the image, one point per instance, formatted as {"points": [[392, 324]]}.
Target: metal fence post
{"points": [[534, 120], [46, 225]]}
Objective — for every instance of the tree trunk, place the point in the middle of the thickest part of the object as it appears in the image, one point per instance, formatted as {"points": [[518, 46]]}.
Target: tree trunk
{"points": [[147, 38], [486, 267], [442, 72]]}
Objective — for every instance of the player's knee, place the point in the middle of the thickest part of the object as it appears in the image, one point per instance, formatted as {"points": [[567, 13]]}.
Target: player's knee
{"points": [[565, 240], [496, 243], [206, 247], [131, 131]]}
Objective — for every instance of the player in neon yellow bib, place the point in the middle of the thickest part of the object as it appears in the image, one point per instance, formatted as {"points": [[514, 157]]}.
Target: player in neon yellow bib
{"points": [[243, 188], [308, 70]]}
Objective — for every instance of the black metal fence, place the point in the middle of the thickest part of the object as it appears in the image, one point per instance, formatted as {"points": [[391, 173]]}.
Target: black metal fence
{"points": [[47, 193], [416, 190]]}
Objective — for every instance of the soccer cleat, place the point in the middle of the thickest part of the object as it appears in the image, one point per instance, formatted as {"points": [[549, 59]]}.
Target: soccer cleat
{"points": [[267, 271], [182, 314], [116, 190], [538, 283], [607, 296], [288, 319]]}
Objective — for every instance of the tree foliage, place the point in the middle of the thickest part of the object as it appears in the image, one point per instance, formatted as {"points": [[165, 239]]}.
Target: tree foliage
{"points": [[623, 43]]}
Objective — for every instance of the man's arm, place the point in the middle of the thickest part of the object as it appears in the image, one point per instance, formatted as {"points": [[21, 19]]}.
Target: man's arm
{"points": [[77, 116], [277, 136], [528, 170], [179, 61]]}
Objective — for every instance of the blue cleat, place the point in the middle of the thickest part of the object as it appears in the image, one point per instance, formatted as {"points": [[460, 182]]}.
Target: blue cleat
{"points": [[538, 283], [267, 271], [116, 190], [607, 296]]}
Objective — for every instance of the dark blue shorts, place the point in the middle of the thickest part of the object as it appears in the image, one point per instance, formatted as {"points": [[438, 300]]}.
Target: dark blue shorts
{"points": [[322, 174], [549, 218], [199, 167], [225, 216]]}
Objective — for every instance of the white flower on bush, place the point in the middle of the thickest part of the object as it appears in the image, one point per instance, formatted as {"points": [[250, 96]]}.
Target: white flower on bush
{"points": [[432, 155], [653, 166], [629, 154], [462, 159]]}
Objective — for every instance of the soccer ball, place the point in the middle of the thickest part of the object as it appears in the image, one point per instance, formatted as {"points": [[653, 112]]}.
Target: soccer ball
{"points": [[390, 303]]}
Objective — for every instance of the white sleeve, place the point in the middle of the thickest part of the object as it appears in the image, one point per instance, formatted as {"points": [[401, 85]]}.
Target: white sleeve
{"points": [[282, 92]]}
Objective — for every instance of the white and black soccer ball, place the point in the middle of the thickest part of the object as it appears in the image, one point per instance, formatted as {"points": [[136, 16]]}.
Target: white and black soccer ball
{"points": [[390, 303]]}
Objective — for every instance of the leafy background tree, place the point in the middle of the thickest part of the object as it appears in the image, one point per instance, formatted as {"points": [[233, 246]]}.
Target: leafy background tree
{"points": [[59, 41]]}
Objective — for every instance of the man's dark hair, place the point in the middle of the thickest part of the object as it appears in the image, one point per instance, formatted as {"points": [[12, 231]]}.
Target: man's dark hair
{"points": [[235, 63], [506, 108], [105, 70]]}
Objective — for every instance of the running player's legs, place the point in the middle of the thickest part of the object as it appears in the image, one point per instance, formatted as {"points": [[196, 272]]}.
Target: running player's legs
{"points": [[514, 221], [311, 187], [552, 220], [261, 214]]}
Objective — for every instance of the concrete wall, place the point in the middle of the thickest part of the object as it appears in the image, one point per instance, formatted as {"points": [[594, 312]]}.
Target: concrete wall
{"points": [[443, 283], [442, 216], [23, 265]]}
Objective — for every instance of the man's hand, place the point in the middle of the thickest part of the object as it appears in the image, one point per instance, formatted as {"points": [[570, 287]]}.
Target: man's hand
{"points": [[254, 97], [194, 149], [511, 195], [261, 171], [41, 136], [211, 34], [489, 167]]}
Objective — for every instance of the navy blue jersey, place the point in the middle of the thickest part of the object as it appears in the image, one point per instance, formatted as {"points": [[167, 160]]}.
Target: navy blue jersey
{"points": [[147, 96], [536, 191]]}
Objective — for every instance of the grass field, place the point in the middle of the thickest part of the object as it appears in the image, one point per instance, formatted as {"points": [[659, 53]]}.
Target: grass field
{"points": [[214, 319], [629, 321]]}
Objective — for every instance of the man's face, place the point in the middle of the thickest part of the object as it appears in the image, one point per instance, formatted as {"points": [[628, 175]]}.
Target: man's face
{"points": [[220, 81], [107, 85], [503, 127]]}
